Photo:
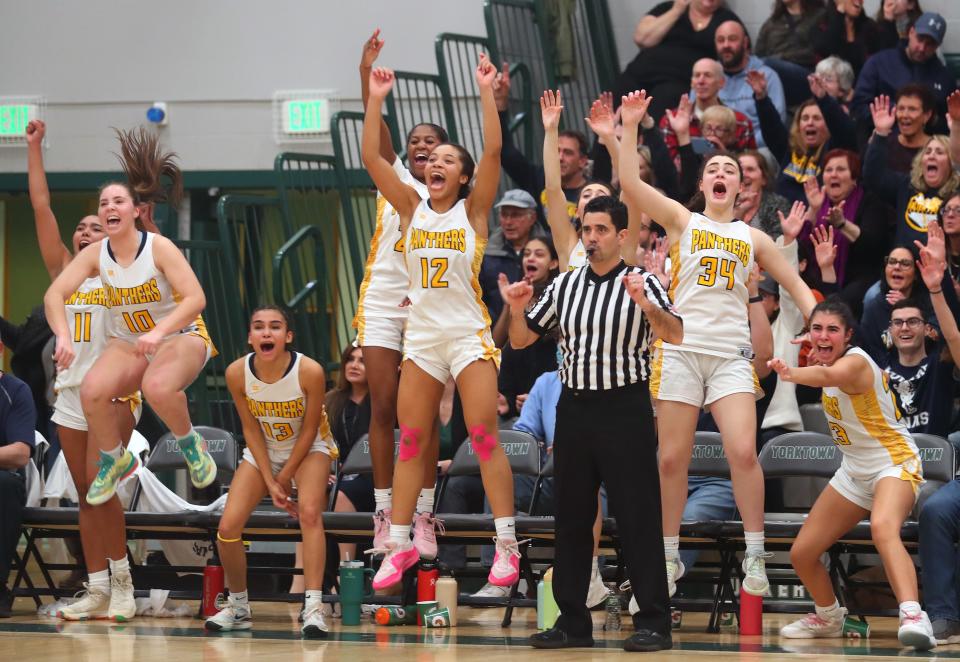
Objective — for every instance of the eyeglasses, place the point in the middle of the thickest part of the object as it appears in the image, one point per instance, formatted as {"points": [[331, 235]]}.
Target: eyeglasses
{"points": [[709, 130], [893, 262], [951, 211], [911, 322]]}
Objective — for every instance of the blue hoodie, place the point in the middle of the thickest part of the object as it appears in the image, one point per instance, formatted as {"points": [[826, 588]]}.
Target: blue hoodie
{"points": [[737, 94]]}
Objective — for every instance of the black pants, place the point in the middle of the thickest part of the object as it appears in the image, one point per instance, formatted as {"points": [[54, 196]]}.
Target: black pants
{"points": [[608, 436], [13, 497]]}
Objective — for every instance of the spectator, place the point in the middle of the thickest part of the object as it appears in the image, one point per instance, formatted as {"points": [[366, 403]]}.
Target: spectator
{"points": [[517, 211], [899, 282], [894, 18], [571, 145], [801, 151], [940, 560], [837, 78], [757, 204], [916, 196], [912, 61], [733, 51], [949, 216], [672, 37], [17, 416], [27, 342], [848, 33], [861, 222], [785, 43], [914, 106], [705, 85]]}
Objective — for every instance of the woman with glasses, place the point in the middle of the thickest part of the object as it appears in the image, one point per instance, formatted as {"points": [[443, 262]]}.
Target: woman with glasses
{"points": [[949, 215], [900, 281]]}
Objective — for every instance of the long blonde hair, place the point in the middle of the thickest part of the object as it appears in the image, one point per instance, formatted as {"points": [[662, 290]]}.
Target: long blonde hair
{"points": [[916, 170]]}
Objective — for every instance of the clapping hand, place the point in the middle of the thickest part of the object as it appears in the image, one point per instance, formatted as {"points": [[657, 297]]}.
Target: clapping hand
{"points": [[792, 223]]}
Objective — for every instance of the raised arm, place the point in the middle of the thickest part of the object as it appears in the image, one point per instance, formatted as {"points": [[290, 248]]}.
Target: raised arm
{"points": [[851, 374], [484, 192], [516, 296], [85, 265], [953, 119], [564, 235], [771, 261], [54, 252], [649, 295], [668, 213], [371, 50], [932, 269], [603, 123], [400, 196]]}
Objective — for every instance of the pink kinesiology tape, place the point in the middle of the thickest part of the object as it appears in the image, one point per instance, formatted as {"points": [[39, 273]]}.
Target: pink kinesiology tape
{"points": [[409, 442], [483, 443]]}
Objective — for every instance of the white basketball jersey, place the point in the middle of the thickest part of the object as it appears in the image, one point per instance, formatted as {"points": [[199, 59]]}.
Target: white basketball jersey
{"points": [[385, 280], [710, 266], [87, 319], [578, 256], [280, 407], [139, 295], [443, 260], [867, 427]]}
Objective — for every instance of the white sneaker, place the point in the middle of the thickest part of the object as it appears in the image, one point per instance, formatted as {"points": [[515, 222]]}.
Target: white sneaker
{"points": [[813, 626], [675, 570], [492, 591], [916, 631], [596, 593], [755, 580], [122, 605], [231, 617], [314, 627], [94, 604]]}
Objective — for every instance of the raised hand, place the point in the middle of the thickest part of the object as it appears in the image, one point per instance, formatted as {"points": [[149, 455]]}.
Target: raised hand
{"points": [[486, 72], [792, 223], [601, 119], [824, 249], [36, 130], [679, 119], [634, 107], [953, 106], [936, 244], [817, 87], [636, 289], [381, 82], [516, 295], [551, 107], [883, 116], [371, 50], [835, 215], [931, 269], [814, 194], [655, 260], [757, 81], [501, 88]]}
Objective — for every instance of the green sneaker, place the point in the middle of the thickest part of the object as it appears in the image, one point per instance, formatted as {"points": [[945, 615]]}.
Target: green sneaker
{"points": [[109, 474], [203, 470]]}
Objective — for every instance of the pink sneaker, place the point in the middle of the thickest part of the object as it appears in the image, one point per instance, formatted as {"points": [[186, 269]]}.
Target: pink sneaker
{"points": [[506, 563], [399, 559], [381, 530], [425, 535]]}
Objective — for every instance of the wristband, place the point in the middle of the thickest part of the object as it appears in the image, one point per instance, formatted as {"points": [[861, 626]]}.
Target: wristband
{"points": [[756, 299], [842, 225]]}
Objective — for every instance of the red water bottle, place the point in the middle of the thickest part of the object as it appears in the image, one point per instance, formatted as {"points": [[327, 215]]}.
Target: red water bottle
{"points": [[427, 575], [213, 586], [751, 613]]}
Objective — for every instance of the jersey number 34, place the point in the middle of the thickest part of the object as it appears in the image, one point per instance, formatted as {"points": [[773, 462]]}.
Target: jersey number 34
{"points": [[712, 266]]}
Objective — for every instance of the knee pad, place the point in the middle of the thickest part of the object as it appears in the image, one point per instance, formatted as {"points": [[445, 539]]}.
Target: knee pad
{"points": [[483, 443], [409, 442]]}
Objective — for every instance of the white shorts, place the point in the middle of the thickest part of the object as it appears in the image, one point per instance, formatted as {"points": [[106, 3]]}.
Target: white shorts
{"points": [[699, 379], [68, 411], [450, 358], [380, 332], [278, 458], [860, 491]]}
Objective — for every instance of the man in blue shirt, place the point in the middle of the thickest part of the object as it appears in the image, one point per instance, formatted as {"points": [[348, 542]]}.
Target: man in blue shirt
{"points": [[17, 417]]}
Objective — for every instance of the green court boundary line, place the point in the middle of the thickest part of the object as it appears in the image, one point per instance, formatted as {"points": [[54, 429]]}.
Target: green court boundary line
{"points": [[442, 639]]}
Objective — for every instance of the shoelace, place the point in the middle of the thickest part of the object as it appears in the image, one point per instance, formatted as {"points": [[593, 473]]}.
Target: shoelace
{"points": [[104, 464], [510, 547], [814, 620], [314, 610], [912, 619], [753, 560], [437, 525]]}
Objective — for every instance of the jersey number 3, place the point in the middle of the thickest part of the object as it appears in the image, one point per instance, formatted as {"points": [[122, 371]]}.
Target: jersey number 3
{"points": [[439, 266], [714, 265]]}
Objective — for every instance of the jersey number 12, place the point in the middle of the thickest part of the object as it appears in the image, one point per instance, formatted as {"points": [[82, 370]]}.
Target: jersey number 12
{"points": [[439, 266]]}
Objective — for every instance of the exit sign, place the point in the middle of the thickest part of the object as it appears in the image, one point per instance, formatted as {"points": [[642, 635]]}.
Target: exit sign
{"points": [[14, 119], [306, 116]]}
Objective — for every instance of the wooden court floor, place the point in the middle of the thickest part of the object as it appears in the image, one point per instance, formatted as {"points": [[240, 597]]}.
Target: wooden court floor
{"points": [[275, 636]]}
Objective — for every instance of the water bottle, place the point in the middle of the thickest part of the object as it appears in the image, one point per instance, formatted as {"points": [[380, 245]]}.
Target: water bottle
{"points": [[613, 609]]}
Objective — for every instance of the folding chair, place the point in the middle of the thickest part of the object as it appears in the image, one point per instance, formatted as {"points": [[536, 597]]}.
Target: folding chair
{"points": [[939, 466], [358, 461], [814, 420]]}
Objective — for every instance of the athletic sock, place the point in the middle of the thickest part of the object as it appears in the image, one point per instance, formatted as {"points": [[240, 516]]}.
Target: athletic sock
{"points": [[115, 453], [909, 608], [830, 613], [671, 547], [312, 597], [100, 580], [239, 599], [119, 567], [383, 498], [506, 528], [754, 540], [189, 437], [425, 500], [400, 533]]}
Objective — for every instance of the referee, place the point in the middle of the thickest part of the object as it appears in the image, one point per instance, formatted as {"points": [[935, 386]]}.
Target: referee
{"points": [[607, 313]]}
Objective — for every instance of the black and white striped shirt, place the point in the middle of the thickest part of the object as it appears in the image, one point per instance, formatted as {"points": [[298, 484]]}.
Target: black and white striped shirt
{"points": [[605, 340]]}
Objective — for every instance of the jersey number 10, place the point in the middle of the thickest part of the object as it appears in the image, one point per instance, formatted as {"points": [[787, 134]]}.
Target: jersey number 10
{"points": [[139, 321]]}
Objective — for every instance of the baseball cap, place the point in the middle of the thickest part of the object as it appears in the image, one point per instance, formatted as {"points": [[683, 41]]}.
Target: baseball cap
{"points": [[516, 197], [931, 24], [769, 285]]}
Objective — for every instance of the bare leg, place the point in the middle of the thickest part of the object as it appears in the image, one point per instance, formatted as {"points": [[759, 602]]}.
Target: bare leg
{"points": [[296, 585], [116, 373], [478, 390], [312, 501], [431, 457], [831, 517], [172, 369], [246, 491], [383, 377], [893, 500], [676, 447], [736, 417]]}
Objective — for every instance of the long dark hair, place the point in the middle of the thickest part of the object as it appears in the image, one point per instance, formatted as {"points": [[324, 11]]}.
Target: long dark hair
{"points": [[698, 203], [337, 397], [807, 7], [468, 164], [152, 174], [834, 305], [547, 241]]}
